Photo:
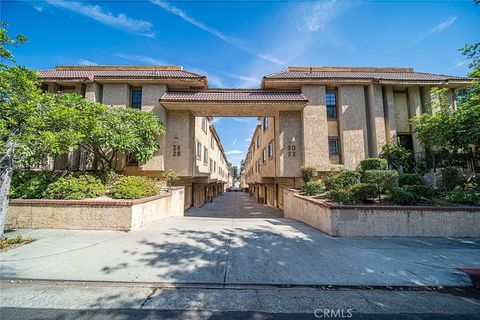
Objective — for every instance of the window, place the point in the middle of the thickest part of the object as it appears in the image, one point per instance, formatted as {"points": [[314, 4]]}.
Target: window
{"points": [[212, 141], [204, 124], [265, 123], [211, 165], [199, 150], [205, 155], [214, 166], [331, 98], [258, 142], [264, 155], [136, 99], [270, 149], [333, 146]]}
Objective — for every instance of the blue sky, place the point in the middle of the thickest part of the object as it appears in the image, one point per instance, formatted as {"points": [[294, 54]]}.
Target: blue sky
{"points": [[235, 43]]}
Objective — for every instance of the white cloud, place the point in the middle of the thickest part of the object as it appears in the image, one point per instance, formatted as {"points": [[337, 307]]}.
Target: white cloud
{"points": [[234, 141], [233, 152], [142, 59], [316, 16], [85, 62], [215, 120], [246, 81], [96, 12], [38, 8], [238, 43], [213, 80], [437, 29], [458, 64]]}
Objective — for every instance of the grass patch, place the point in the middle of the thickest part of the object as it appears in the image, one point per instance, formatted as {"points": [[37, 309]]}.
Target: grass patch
{"points": [[9, 243]]}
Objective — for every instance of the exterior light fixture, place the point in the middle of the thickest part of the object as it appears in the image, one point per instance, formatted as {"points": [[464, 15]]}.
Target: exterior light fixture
{"points": [[175, 140], [292, 140]]}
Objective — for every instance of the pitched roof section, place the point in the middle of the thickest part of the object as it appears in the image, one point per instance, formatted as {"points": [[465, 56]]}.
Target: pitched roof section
{"points": [[234, 96], [117, 72], [360, 73]]}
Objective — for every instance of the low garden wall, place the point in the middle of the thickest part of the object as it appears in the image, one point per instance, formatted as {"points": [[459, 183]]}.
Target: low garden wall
{"points": [[378, 220], [94, 214]]}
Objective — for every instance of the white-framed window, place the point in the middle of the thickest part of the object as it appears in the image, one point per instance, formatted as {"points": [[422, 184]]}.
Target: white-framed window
{"points": [[264, 155], [205, 155], [212, 141], [333, 149], [204, 124], [265, 123], [199, 150], [331, 99], [270, 149], [258, 142]]}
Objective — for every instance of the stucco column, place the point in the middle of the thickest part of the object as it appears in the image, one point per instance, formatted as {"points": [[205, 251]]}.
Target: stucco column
{"points": [[151, 95], [390, 116], [93, 92], [53, 87], [315, 128], [377, 137], [353, 125], [180, 130], [415, 109], [288, 151]]}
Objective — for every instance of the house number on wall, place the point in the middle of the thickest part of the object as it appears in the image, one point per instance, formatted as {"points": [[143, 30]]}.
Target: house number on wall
{"points": [[176, 150], [291, 150]]}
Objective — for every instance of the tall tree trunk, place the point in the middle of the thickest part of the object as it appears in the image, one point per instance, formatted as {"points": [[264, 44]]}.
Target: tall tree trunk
{"points": [[7, 163]]}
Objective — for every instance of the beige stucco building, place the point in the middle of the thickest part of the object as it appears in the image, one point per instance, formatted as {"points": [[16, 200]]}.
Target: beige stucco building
{"points": [[191, 146], [328, 117]]}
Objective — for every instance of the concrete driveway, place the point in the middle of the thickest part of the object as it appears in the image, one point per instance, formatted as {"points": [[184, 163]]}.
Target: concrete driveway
{"points": [[235, 241]]}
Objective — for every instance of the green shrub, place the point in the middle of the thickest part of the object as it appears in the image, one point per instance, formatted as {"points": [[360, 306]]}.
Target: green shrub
{"points": [[451, 178], [385, 180], [132, 187], [409, 179], [171, 176], [473, 182], [362, 192], [343, 179], [75, 187], [309, 173], [342, 197], [421, 193], [374, 164], [465, 197], [397, 156], [31, 185], [401, 196], [312, 188], [108, 176]]}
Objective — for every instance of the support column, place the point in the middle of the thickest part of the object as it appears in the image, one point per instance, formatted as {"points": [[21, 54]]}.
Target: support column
{"points": [[93, 92], [415, 109], [315, 128], [353, 125], [151, 95], [390, 116], [376, 136]]}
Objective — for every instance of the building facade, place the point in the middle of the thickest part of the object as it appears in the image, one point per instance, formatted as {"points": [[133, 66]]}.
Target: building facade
{"points": [[328, 117], [191, 146]]}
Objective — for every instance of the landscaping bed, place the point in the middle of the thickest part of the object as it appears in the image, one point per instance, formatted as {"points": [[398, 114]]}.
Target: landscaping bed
{"points": [[95, 201]]}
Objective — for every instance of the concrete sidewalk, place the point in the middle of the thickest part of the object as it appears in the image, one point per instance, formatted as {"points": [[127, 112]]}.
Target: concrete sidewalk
{"points": [[234, 240], [46, 300]]}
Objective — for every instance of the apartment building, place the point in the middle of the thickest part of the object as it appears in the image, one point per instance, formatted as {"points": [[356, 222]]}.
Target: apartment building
{"points": [[351, 114], [190, 146], [329, 117]]}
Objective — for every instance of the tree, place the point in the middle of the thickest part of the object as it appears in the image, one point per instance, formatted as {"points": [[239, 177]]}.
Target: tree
{"points": [[455, 131], [24, 133]]}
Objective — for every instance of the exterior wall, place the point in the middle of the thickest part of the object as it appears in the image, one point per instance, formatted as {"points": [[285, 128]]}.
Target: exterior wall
{"points": [[151, 95], [93, 92], [390, 114], [353, 125], [376, 134], [93, 215], [180, 126], [411, 221], [289, 160], [116, 95], [415, 108], [315, 129]]}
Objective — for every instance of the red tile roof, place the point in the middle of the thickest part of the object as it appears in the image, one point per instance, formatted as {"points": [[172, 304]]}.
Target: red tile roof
{"points": [[233, 95], [340, 73], [117, 72]]}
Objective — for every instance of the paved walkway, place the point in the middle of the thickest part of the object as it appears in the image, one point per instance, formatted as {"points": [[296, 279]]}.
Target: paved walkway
{"points": [[235, 240]]}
